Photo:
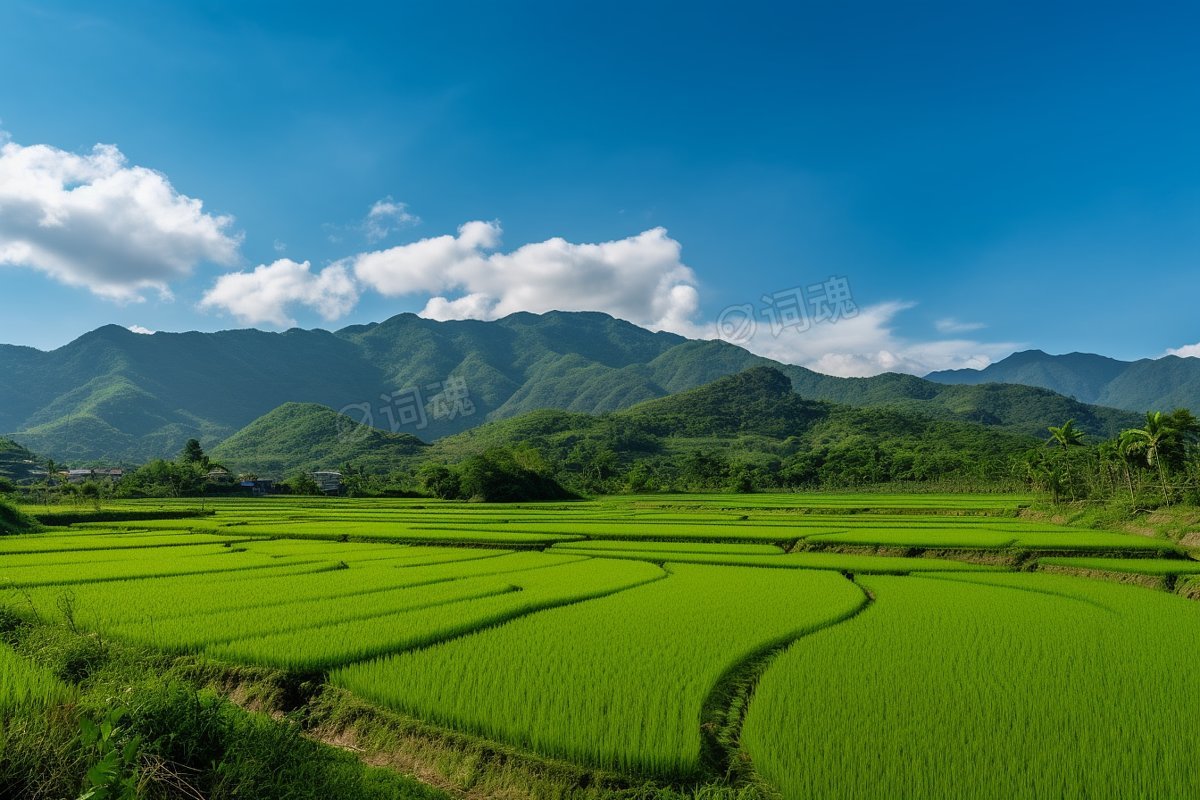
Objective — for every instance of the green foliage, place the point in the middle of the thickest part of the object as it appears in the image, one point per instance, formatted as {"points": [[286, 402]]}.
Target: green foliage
{"points": [[12, 520], [1156, 464], [496, 476], [438, 480], [114, 775], [303, 483], [193, 453], [161, 478]]}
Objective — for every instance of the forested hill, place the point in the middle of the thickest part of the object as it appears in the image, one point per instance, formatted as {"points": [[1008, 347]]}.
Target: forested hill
{"points": [[113, 395], [1151, 383], [307, 436], [746, 428]]}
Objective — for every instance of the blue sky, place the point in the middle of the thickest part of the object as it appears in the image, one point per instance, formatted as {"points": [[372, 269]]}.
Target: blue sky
{"points": [[987, 176]]}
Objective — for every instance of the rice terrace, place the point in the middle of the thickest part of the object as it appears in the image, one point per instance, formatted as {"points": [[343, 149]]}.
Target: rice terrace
{"points": [[651, 645]]}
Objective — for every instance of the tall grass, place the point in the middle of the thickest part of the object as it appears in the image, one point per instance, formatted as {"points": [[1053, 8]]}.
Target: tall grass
{"points": [[24, 684]]}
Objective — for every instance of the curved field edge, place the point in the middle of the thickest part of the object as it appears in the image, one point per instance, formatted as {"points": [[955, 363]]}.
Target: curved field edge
{"points": [[1021, 685], [725, 708], [674, 639]]}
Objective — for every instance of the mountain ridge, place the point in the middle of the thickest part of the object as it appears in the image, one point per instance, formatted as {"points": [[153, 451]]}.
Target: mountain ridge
{"points": [[116, 396], [1146, 384]]}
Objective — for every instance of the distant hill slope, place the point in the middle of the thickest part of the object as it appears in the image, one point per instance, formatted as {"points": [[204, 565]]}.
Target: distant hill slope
{"points": [[17, 463], [307, 436], [755, 417], [113, 395], [1149, 384]]}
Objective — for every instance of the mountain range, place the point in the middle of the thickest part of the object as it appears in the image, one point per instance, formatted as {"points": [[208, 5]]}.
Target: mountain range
{"points": [[1160, 384], [117, 396]]}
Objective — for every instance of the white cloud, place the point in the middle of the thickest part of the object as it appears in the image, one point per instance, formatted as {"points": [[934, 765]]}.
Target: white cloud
{"points": [[952, 325], [640, 278], [264, 295], [279, 247], [1187, 351], [867, 344], [93, 221], [385, 216], [140, 329]]}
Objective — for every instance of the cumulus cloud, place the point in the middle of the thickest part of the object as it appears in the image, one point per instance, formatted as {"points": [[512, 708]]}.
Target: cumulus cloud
{"points": [[385, 216], [94, 221], [867, 344], [265, 294], [640, 278], [139, 329], [952, 325], [1187, 351]]}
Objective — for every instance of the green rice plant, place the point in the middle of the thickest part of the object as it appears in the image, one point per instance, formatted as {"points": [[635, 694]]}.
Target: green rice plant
{"points": [[1007, 685], [567, 529], [615, 683], [1136, 566], [841, 562], [838, 500], [1094, 540], [325, 646], [603, 546], [963, 538], [72, 543], [398, 532], [898, 537], [192, 632], [150, 601], [159, 562], [24, 684]]}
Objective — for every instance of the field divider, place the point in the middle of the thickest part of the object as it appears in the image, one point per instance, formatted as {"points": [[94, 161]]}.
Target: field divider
{"points": [[724, 710], [1030, 589], [495, 622]]}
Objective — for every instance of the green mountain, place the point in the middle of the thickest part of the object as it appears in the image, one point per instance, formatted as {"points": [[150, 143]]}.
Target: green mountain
{"points": [[116, 396], [307, 436], [1149, 384], [751, 421]]}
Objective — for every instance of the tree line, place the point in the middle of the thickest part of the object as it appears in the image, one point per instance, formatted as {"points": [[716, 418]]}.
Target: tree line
{"points": [[1153, 465]]}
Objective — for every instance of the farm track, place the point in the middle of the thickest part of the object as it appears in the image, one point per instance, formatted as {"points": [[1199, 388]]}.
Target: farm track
{"points": [[724, 710]]}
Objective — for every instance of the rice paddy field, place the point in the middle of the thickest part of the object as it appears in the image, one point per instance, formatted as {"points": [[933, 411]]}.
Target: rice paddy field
{"points": [[812, 646]]}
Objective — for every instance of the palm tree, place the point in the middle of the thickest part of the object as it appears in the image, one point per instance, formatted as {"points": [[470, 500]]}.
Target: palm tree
{"points": [[1121, 449], [1066, 437], [1149, 442]]}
